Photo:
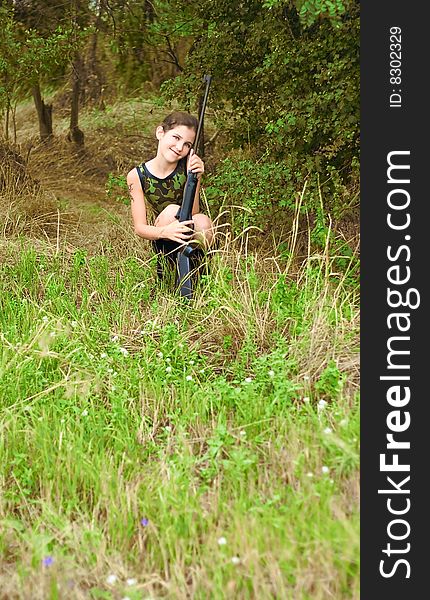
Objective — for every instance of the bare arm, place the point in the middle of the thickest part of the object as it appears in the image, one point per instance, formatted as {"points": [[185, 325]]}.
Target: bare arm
{"points": [[138, 209], [196, 203], [196, 165]]}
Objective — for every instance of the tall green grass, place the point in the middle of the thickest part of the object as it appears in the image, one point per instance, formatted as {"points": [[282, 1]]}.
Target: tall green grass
{"points": [[204, 450]]}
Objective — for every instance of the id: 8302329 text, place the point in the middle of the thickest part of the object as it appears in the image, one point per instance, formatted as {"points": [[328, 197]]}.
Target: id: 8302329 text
{"points": [[395, 77]]}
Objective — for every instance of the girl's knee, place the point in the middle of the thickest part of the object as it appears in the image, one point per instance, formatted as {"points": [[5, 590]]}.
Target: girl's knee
{"points": [[167, 215], [202, 222], [203, 226]]}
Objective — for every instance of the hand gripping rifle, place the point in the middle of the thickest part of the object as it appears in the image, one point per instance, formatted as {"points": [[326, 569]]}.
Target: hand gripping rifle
{"points": [[183, 265]]}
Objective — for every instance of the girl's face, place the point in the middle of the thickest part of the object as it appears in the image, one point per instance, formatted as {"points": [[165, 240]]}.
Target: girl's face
{"points": [[175, 143]]}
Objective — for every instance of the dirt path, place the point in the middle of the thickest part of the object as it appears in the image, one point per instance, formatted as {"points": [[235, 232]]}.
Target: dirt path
{"points": [[73, 203]]}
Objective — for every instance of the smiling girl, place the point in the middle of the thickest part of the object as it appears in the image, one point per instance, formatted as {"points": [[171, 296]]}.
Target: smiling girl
{"points": [[159, 183]]}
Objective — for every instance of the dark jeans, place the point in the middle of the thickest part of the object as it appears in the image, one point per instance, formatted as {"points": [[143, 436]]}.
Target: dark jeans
{"points": [[167, 251]]}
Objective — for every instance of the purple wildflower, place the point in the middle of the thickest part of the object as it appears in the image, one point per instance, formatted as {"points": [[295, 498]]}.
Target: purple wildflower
{"points": [[48, 561], [144, 521]]}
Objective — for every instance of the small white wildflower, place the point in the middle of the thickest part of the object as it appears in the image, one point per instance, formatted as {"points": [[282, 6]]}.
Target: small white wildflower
{"points": [[74, 323], [235, 560], [84, 413], [343, 423], [160, 355], [201, 371], [222, 541], [325, 469], [110, 370], [242, 432], [192, 362], [309, 474], [327, 430], [103, 355], [167, 360], [306, 377], [91, 356], [181, 345], [52, 334], [248, 379], [123, 351], [168, 428], [168, 369], [189, 377], [115, 338], [111, 579], [113, 388], [131, 581], [321, 405], [271, 373], [331, 481], [62, 420], [114, 374], [306, 400], [45, 319]]}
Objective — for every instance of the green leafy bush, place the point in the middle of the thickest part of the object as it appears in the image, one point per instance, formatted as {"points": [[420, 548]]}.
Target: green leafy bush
{"points": [[285, 78], [116, 188]]}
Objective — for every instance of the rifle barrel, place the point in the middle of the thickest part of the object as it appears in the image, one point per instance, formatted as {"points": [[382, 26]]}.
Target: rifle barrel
{"points": [[208, 79], [184, 213]]}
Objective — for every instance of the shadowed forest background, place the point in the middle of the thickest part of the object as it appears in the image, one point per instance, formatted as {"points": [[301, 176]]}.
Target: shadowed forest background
{"points": [[284, 100], [151, 448]]}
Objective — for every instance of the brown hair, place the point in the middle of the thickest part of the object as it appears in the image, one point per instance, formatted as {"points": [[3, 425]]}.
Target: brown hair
{"points": [[180, 118]]}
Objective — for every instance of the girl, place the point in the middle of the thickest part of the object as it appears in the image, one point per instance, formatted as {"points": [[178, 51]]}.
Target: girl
{"points": [[160, 183]]}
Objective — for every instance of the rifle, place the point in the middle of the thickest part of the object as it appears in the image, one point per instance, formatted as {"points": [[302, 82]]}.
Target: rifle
{"points": [[183, 265]]}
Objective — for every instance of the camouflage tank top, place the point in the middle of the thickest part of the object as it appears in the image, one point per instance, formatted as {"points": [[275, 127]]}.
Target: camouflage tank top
{"points": [[159, 193]]}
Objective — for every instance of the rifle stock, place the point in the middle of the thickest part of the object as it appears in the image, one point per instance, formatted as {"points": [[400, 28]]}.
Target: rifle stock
{"points": [[185, 211]]}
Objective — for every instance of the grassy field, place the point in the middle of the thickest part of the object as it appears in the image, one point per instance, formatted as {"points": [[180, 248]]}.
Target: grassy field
{"points": [[152, 448]]}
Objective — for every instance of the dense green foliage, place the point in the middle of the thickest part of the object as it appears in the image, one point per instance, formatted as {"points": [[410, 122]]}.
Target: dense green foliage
{"points": [[295, 85], [285, 87]]}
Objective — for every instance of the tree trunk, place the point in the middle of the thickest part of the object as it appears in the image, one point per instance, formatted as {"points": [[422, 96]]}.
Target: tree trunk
{"points": [[94, 75], [149, 12], [75, 134], [6, 127], [14, 122], [44, 113]]}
